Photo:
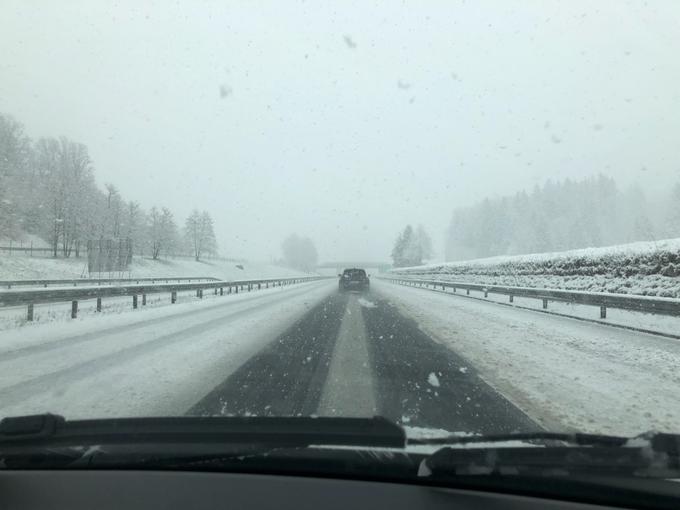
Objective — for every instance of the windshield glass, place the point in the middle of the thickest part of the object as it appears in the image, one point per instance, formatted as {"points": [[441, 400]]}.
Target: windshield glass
{"points": [[463, 217]]}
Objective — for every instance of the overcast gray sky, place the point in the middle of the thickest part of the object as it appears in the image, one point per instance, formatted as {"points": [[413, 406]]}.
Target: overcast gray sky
{"points": [[344, 121]]}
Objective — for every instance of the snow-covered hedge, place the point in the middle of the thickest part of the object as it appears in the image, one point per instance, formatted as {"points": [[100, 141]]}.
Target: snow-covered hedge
{"points": [[648, 268]]}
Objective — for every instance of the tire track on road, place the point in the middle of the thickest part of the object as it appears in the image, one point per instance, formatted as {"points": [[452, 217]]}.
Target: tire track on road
{"points": [[420, 382], [286, 378]]}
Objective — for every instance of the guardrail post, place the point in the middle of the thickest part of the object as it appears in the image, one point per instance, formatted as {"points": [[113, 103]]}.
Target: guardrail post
{"points": [[173, 297], [143, 299], [221, 291], [200, 293], [512, 298], [74, 309], [197, 293], [545, 304], [134, 301], [467, 291], [99, 304], [486, 293], [454, 290], [603, 312], [29, 315], [259, 286], [216, 291], [266, 285], [236, 289]]}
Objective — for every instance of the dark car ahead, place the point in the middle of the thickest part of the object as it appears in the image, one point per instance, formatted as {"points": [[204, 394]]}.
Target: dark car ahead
{"points": [[353, 279]]}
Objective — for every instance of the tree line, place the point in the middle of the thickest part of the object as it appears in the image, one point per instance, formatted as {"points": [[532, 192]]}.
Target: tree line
{"points": [[561, 216], [47, 188]]}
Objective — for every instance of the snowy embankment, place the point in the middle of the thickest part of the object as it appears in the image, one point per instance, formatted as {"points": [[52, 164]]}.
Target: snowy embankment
{"points": [[564, 374], [18, 267], [645, 268]]}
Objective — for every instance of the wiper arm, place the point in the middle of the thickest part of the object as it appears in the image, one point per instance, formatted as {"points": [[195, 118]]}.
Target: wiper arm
{"points": [[650, 454], [51, 430], [656, 441], [578, 439]]}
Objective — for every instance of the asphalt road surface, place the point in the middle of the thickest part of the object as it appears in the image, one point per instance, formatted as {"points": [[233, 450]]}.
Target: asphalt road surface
{"points": [[353, 354]]}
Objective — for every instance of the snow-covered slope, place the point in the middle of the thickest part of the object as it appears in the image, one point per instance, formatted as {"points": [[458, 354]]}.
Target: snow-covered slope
{"points": [[21, 267], [646, 268]]}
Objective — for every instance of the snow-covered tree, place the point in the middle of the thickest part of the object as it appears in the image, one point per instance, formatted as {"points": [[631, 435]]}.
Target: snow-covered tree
{"points": [[199, 234], [133, 226], [411, 247], [47, 188], [672, 219], [556, 216], [162, 233], [15, 188], [299, 253], [424, 242]]}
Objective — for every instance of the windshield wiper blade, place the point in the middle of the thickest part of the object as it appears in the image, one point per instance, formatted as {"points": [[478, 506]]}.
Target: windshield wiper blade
{"points": [[52, 430], [650, 454], [656, 441], [579, 439]]}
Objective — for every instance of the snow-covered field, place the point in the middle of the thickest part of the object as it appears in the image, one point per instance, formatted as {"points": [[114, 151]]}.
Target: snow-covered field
{"points": [[644, 268], [18, 267], [562, 372]]}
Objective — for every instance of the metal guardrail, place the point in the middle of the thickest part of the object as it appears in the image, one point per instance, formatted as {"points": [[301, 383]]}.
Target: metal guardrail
{"points": [[645, 304], [31, 297], [100, 281]]}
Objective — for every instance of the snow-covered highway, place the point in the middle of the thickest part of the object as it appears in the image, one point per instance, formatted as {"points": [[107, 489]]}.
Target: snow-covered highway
{"points": [[422, 358]]}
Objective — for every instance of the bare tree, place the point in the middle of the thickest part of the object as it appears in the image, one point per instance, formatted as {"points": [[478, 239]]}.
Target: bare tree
{"points": [[15, 188], [113, 214], [132, 225], [199, 233], [47, 188], [162, 234], [78, 184]]}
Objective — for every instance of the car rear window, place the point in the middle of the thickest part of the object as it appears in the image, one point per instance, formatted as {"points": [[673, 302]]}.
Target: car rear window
{"points": [[355, 273]]}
